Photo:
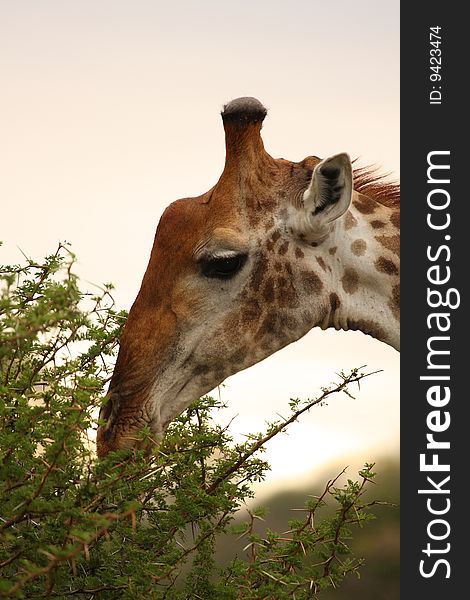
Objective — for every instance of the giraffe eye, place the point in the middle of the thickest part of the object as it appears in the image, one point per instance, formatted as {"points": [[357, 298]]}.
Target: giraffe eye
{"points": [[222, 267]]}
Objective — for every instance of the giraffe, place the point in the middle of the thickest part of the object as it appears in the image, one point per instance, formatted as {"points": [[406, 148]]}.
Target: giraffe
{"points": [[274, 249]]}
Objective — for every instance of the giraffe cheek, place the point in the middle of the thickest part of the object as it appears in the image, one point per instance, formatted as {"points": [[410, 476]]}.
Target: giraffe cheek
{"points": [[187, 303]]}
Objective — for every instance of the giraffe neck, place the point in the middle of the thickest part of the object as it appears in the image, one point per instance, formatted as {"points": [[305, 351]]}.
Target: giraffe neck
{"points": [[363, 255]]}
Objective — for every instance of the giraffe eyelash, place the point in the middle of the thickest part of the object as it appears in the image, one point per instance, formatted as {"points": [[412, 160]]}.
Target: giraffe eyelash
{"points": [[222, 266]]}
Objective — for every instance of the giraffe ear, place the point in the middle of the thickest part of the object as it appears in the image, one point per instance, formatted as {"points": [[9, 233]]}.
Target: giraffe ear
{"points": [[326, 199], [329, 194]]}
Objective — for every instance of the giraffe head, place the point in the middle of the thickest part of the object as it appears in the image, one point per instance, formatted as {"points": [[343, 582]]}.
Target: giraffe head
{"points": [[240, 272]]}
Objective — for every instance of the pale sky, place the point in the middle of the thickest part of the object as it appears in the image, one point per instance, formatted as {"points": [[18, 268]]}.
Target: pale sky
{"points": [[110, 111]]}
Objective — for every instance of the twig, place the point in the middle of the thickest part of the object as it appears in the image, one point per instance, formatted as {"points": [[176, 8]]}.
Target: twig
{"points": [[352, 378]]}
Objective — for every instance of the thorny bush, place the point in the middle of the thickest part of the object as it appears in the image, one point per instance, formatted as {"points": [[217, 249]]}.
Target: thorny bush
{"points": [[130, 526]]}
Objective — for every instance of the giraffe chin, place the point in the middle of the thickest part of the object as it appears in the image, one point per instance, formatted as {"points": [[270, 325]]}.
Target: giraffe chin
{"points": [[112, 437], [125, 420]]}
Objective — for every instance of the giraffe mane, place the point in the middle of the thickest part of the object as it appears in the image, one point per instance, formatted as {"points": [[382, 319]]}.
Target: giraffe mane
{"points": [[369, 181]]}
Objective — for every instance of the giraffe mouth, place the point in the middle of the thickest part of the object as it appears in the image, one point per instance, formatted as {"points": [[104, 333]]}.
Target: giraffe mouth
{"points": [[125, 419]]}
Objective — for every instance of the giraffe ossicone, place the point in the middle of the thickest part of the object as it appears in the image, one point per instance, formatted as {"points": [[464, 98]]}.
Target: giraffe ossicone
{"points": [[274, 249]]}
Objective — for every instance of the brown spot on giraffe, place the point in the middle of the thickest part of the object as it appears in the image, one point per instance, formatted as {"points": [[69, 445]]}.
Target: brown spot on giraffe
{"points": [[322, 263], [312, 284], [350, 281], [385, 265], [251, 310], [268, 290], [391, 242], [395, 219], [335, 302], [283, 248], [278, 266], [272, 240], [365, 205], [238, 355], [259, 271], [350, 220], [332, 250], [299, 253], [359, 247], [268, 325], [395, 302], [288, 297], [201, 370], [377, 224]]}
